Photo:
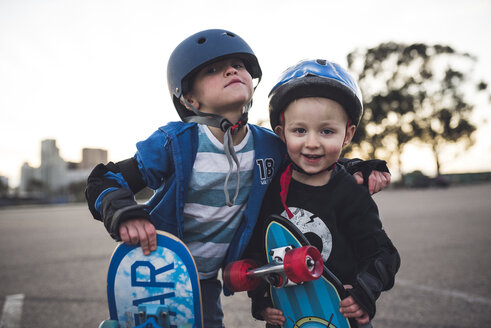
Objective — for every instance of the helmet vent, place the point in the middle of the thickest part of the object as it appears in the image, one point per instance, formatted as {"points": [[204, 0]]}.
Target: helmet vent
{"points": [[201, 40], [231, 34], [322, 62]]}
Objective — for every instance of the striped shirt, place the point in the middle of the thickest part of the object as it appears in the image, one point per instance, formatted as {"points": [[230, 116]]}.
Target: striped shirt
{"points": [[209, 224]]}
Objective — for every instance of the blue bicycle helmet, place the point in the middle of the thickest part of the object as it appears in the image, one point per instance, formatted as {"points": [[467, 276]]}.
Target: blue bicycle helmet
{"points": [[201, 49], [316, 78]]}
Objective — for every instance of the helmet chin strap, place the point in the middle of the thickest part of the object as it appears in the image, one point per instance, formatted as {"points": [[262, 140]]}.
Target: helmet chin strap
{"points": [[230, 130]]}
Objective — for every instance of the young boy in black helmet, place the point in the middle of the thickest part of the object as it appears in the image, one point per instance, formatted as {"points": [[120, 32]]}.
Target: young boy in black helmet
{"points": [[315, 109], [203, 170]]}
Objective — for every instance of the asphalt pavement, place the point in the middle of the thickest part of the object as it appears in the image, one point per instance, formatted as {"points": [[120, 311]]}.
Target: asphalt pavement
{"points": [[54, 260]]}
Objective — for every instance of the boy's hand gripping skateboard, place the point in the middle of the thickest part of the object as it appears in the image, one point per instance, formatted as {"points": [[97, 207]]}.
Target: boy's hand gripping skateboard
{"points": [[160, 290], [301, 286]]}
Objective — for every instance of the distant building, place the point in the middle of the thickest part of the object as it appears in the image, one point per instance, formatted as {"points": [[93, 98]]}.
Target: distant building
{"points": [[53, 168], [92, 156], [55, 174], [4, 186], [4, 180], [28, 177]]}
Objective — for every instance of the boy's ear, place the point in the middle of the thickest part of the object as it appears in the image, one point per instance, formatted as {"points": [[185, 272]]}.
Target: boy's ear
{"points": [[350, 132], [190, 100], [279, 131]]}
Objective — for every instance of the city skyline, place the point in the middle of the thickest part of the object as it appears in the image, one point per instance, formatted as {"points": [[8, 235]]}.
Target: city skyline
{"points": [[92, 74], [55, 173]]}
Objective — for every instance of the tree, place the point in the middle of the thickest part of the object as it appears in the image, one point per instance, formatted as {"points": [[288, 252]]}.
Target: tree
{"points": [[414, 93]]}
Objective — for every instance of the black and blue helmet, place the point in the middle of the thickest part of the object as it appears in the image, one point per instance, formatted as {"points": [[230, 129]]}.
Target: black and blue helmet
{"points": [[201, 49], [316, 78]]}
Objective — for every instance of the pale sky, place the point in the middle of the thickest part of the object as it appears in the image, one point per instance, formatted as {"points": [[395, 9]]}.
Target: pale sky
{"points": [[92, 73]]}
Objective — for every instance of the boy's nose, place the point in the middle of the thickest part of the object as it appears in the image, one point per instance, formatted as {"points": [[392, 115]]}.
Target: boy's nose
{"points": [[311, 141], [230, 70]]}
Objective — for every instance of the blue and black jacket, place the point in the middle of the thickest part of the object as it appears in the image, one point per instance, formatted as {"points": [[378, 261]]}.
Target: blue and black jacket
{"points": [[164, 163]]}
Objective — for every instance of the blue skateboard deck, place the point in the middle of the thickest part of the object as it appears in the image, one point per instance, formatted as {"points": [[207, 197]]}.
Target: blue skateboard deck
{"points": [[167, 277], [311, 304]]}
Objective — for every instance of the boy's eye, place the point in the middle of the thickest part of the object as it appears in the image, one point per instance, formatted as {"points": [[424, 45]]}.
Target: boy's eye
{"points": [[237, 65], [211, 70], [299, 130], [326, 131]]}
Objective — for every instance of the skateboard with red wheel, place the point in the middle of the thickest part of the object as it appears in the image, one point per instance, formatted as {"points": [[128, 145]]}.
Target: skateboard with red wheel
{"points": [[304, 289]]}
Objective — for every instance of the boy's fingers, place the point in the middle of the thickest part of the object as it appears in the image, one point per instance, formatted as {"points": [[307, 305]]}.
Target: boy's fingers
{"points": [[274, 316], [353, 308], [152, 236], [147, 236], [374, 182], [350, 309], [353, 311], [356, 314], [133, 234], [347, 301], [143, 241], [139, 231], [276, 320], [378, 181], [358, 177], [363, 319], [123, 234], [128, 233], [274, 311]]}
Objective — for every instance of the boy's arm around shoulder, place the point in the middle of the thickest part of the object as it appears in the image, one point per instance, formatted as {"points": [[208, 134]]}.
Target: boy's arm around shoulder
{"points": [[355, 164], [110, 194], [373, 174]]}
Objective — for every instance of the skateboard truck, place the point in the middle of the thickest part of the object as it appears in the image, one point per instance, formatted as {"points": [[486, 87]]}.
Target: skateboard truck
{"points": [[153, 313], [289, 267]]}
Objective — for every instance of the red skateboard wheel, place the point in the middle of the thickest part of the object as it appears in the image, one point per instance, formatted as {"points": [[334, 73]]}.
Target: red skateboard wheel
{"points": [[303, 264], [236, 278]]}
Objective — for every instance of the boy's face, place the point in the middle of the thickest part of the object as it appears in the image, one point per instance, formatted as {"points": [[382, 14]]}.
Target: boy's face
{"points": [[315, 133], [221, 87]]}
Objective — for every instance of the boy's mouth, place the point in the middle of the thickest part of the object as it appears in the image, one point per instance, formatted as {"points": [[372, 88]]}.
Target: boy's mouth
{"points": [[312, 157], [233, 81]]}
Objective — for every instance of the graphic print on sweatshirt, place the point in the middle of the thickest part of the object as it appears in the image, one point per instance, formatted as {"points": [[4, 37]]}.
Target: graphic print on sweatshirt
{"points": [[312, 226]]}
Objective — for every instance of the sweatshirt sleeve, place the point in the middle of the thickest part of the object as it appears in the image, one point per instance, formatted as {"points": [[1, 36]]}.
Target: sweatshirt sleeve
{"points": [[110, 194], [111, 188], [378, 258]]}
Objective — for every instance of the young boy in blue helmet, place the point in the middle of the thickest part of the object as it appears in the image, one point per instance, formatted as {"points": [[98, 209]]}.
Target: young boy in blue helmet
{"points": [[315, 109], [209, 172]]}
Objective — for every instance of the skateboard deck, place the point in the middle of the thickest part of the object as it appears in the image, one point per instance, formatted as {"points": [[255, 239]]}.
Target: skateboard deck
{"points": [[311, 304], [163, 285]]}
